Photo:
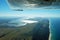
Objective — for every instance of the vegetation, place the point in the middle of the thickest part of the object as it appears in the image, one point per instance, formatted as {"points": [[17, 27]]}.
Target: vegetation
{"points": [[21, 33]]}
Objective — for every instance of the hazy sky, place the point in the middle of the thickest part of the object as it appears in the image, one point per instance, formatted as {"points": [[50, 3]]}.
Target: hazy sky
{"points": [[5, 10]]}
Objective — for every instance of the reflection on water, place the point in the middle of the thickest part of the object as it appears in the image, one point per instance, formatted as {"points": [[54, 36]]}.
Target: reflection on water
{"points": [[29, 21], [16, 22], [20, 22]]}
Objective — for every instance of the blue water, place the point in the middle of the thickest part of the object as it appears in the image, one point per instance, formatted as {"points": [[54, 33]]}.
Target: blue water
{"points": [[55, 28]]}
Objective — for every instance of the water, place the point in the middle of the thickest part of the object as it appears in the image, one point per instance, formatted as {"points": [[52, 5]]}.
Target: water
{"points": [[55, 28]]}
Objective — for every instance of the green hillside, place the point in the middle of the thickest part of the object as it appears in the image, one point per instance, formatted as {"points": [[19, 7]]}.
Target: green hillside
{"points": [[21, 33]]}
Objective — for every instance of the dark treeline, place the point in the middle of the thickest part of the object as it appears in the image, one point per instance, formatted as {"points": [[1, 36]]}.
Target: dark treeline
{"points": [[41, 32]]}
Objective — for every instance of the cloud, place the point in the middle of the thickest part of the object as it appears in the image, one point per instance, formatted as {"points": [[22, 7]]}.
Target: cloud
{"points": [[30, 3]]}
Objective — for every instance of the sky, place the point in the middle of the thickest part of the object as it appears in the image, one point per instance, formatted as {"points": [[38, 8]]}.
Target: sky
{"points": [[5, 10]]}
